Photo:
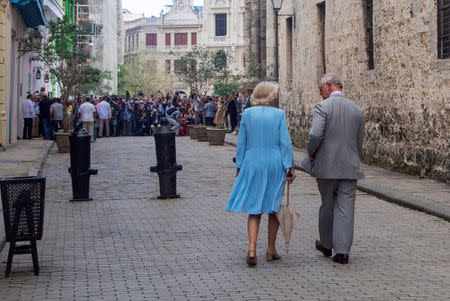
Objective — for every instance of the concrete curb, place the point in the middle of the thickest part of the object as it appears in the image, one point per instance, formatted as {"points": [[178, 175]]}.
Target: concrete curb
{"points": [[392, 196], [34, 171]]}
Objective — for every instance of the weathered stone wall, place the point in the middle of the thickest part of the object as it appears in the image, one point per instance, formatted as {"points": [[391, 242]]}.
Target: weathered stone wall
{"points": [[255, 31], [406, 98]]}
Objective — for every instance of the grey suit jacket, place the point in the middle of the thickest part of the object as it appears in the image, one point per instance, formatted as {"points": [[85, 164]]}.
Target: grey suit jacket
{"points": [[336, 140]]}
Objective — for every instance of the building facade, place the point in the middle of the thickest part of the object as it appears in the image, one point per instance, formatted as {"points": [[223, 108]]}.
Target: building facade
{"points": [[218, 25], [394, 60], [4, 6], [163, 39], [103, 20], [18, 72], [223, 29]]}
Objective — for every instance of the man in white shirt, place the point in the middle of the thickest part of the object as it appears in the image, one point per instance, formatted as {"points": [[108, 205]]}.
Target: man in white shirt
{"points": [[104, 114], [28, 115], [87, 116]]}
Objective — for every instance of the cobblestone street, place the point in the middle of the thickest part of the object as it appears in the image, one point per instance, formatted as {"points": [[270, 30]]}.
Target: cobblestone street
{"points": [[128, 245]]}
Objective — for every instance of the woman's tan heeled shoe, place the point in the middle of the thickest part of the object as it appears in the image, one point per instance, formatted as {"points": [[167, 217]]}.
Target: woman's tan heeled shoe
{"points": [[272, 255], [252, 260]]}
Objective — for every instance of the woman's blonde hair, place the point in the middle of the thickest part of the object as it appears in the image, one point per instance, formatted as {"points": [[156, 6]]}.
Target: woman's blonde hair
{"points": [[264, 93]]}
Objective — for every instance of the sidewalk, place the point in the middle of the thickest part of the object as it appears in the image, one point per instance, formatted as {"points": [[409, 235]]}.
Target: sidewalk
{"points": [[421, 194], [24, 158]]}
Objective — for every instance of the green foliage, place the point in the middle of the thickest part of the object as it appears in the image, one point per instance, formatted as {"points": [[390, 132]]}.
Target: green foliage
{"points": [[254, 73], [140, 74], [95, 81], [200, 68], [255, 69], [66, 53], [227, 88]]}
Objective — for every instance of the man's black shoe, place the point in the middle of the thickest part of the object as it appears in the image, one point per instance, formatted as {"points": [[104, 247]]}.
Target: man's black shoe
{"points": [[326, 252], [341, 258]]}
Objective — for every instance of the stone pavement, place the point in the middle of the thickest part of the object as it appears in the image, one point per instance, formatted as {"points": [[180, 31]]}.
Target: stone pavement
{"points": [[422, 194], [23, 156], [128, 245]]}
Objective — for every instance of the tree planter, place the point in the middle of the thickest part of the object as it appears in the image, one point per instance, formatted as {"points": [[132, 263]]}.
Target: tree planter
{"points": [[216, 136], [193, 132], [190, 131], [201, 133], [62, 141]]}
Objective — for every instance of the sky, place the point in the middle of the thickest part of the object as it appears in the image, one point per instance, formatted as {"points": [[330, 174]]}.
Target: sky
{"points": [[149, 7]]}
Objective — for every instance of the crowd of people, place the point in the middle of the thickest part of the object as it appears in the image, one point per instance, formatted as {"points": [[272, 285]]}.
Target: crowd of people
{"points": [[114, 115]]}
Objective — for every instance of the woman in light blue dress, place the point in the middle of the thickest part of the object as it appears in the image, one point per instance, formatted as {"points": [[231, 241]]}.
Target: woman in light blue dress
{"points": [[263, 159]]}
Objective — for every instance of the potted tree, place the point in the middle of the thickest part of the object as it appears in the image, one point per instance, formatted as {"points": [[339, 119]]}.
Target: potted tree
{"points": [[65, 51]]}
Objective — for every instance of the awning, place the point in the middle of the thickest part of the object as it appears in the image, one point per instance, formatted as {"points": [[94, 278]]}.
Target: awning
{"points": [[31, 12]]}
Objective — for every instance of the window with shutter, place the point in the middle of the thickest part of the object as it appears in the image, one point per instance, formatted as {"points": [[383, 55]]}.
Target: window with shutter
{"points": [[168, 36], [443, 24], [151, 39], [181, 39], [221, 25], [194, 38]]}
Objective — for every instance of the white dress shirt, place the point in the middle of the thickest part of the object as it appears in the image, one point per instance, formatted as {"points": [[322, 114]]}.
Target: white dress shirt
{"points": [[28, 108], [86, 111], [104, 110]]}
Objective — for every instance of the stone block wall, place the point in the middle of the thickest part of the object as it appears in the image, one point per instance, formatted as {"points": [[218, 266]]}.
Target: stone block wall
{"points": [[406, 98]]}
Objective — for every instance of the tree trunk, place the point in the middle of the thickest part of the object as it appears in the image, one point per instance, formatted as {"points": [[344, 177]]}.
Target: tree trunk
{"points": [[66, 118]]}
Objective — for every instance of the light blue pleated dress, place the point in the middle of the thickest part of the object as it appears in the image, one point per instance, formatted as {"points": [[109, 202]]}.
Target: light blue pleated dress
{"points": [[263, 154]]}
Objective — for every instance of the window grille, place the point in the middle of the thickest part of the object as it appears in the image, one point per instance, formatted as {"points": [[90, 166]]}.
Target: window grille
{"points": [[181, 39], [443, 23], [369, 33], [151, 39], [221, 25], [168, 42], [194, 38]]}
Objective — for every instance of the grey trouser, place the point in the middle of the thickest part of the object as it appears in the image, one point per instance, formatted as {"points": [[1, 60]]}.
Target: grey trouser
{"points": [[102, 122], [336, 215]]}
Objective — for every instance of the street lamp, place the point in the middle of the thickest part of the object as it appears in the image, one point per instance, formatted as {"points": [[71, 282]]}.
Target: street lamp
{"points": [[38, 73], [276, 8]]}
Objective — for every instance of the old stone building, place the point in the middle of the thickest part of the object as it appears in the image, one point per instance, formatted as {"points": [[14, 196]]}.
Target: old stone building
{"points": [[394, 60], [223, 29], [165, 38], [218, 25]]}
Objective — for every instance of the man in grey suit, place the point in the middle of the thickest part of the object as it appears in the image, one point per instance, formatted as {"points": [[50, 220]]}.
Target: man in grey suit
{"points": [[334, 146]]}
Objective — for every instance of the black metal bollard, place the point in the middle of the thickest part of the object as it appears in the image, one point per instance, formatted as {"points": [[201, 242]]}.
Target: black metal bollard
{"points": [[167, 166], [80, 163]]}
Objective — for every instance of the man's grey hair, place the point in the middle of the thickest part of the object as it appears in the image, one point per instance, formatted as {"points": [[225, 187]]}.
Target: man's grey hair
{"points": [[333, 79]]}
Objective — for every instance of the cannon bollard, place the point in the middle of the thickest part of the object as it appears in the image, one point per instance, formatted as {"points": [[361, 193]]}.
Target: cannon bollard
{"points": [[80, 163], [167, 166]]}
